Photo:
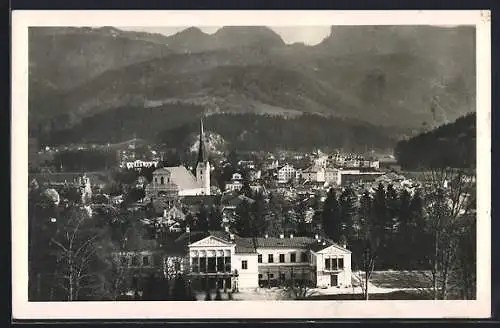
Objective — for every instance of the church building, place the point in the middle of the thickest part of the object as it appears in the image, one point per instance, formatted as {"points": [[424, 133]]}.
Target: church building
{"points": [[179, 181]]}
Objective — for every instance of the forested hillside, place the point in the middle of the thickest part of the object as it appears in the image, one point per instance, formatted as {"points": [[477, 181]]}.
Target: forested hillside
{"points": [[452, 145]]}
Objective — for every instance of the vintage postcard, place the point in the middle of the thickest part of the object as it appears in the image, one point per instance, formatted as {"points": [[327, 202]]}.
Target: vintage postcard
{"points": [[250, 164]]}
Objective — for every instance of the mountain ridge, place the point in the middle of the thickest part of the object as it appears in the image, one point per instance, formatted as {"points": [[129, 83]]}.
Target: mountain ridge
{"points": [[390, 76]]}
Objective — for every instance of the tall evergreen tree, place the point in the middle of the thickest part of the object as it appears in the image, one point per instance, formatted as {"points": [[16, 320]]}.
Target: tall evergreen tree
{"points": [[331, 216], [420, 235], [392, 208], [243, 219], [245, 189], [202, 219], [405, 239], [380, 209], [348, 209], [214, 218], [364, 212], [260, 213]]}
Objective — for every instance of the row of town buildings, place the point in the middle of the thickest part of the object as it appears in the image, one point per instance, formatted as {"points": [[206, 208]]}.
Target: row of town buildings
{"points": [[221, 259]]}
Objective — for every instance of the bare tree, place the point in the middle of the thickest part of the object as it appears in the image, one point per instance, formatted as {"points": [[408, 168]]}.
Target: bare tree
{"points": [[448, 203], [78, 248], [371, 218]]}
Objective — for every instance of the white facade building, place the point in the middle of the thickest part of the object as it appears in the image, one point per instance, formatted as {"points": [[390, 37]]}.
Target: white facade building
{"points": [[224, 260], [236, 183], [138, 164], [286, 173]]}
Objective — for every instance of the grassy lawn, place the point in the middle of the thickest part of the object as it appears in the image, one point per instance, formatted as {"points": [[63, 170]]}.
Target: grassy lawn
{"points": [[401, 279], [397, 295]]}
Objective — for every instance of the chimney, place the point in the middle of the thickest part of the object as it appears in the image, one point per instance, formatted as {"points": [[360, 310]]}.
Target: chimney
{"points": [[227, 228], [267, 236], [291, 236], [282, 236], [231, 236], [316, 237]]}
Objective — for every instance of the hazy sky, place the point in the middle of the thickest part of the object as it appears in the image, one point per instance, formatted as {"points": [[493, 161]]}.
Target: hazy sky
{"points": [[307, 34]]}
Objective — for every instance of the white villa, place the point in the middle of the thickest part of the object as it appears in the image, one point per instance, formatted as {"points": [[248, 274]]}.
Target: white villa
{"points": [[224, 260]]}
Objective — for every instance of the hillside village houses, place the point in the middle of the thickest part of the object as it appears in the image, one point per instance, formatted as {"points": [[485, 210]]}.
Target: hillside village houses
{"points": [[223, 259]]}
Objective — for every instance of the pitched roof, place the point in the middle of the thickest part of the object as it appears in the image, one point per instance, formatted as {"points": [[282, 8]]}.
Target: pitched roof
{"points": [[236, 200], [194, 200], [274, 242], [250, 245], [159, 205], [180, 176]]}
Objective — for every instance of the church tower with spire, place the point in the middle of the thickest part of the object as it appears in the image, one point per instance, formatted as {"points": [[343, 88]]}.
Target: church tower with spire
{"points": [[202, 164]]}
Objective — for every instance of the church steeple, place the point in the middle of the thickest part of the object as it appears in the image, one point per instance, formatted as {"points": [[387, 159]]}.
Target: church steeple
{"points": [[202, 165], [202, 156]]}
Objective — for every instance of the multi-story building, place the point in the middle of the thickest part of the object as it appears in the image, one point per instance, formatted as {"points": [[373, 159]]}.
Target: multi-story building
{"points": [[224, 260], [236, 182], [286, 173], [139, 164], [314, 174]]}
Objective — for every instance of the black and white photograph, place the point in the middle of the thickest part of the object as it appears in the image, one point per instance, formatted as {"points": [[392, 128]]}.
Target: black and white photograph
{"points": [[253, 161]]}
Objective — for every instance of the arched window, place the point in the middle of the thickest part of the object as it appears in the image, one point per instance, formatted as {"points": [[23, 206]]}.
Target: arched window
{"points": [[161, 180], [156, 180]]}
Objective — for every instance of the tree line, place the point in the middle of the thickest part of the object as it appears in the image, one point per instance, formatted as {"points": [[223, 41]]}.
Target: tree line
{"points": [[450, 145], [267, 132]]}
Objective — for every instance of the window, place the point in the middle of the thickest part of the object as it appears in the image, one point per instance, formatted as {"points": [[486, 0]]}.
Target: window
{"points": [[282, 276], [124, 260], [211, 265], [194, 264], [270, 275], [341, 263], [327, 264], [177, 266], [334, 264], [220, 264], [145, 260], [135, 261], [162, 180], [303, 257], [259, 258], [270, 258], [227, 261], [156, 180], [244, 265], [292, 257], [282, 258], [260, 275], [203, 264]]}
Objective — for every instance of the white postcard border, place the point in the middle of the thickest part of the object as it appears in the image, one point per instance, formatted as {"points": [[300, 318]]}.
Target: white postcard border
{"points": [[22, 309]]}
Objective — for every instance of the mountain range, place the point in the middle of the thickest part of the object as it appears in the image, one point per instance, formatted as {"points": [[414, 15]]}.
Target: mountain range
{"points": [[386, 76]]}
